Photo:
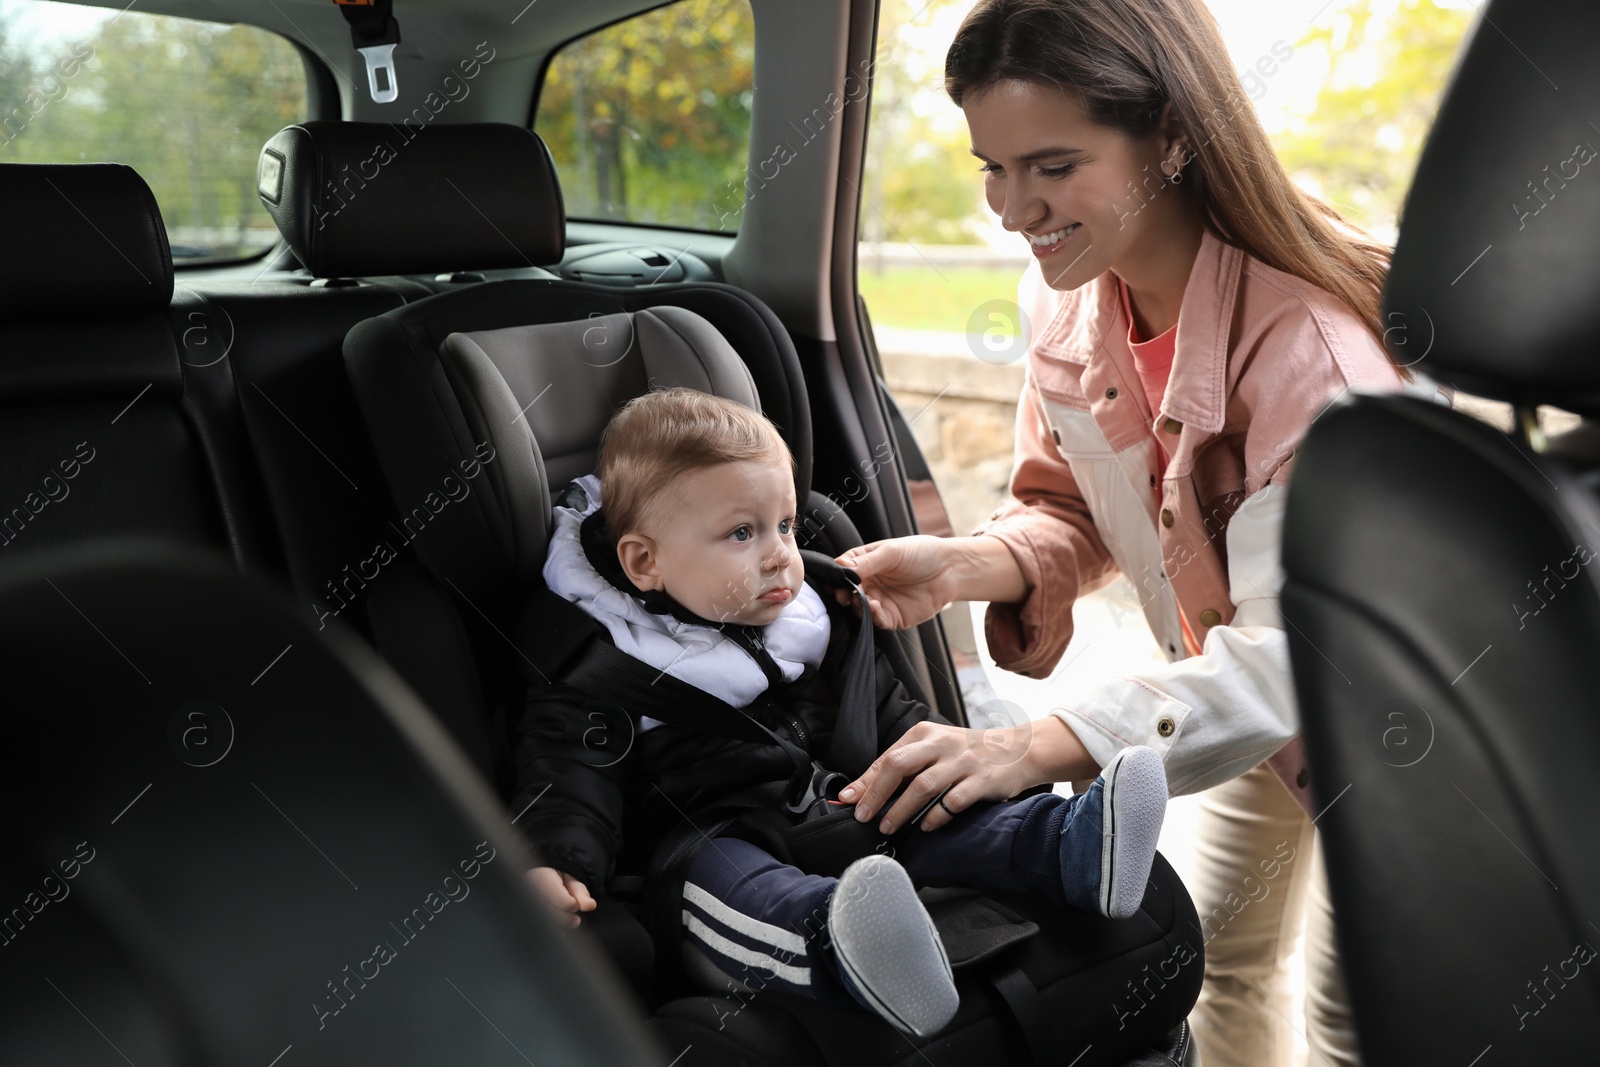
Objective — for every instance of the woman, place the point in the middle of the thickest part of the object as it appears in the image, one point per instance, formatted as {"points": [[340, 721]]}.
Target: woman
{"points": [[1191, 312]]}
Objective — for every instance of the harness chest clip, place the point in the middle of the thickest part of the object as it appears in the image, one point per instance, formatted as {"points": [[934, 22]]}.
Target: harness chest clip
{"points": [[807, 790]]}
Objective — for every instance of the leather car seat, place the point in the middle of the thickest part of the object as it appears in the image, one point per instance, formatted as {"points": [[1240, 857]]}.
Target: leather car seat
{"points": [[1444, 615]]}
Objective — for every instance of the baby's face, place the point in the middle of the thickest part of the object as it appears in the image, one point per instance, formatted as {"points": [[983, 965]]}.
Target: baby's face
{"points": [[725, 544]]}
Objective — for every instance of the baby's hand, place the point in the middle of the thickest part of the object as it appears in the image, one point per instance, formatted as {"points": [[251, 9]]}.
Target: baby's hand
{"points": [[562, 891]]}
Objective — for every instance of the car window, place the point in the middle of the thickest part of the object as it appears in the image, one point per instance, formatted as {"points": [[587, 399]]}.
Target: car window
{"points": [[649, 119], [187, 104]]}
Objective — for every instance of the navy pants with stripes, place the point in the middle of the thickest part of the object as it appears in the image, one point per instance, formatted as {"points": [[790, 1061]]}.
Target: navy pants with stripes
{"points": [[763, 923]]}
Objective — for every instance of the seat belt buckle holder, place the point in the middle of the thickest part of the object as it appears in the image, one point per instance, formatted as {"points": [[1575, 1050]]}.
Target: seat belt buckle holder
{"points": [[381, 81], [374, 33]]}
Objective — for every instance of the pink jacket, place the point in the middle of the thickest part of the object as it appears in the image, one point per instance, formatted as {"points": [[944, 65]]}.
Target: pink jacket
{"points": [[1259, 353]]}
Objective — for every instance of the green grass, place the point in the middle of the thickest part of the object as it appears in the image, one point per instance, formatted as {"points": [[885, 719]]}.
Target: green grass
{"points": [[923, 298]]}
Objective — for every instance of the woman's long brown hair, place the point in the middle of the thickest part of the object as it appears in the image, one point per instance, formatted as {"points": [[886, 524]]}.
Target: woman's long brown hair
{"points": [[1127, 59]]}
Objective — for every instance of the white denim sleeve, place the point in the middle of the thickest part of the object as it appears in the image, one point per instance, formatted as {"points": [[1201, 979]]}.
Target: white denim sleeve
{"points": [[1215, 715]]}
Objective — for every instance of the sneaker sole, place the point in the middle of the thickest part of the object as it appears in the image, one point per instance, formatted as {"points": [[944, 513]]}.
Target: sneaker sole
{"points": [[1135, 806], [890, 949]]}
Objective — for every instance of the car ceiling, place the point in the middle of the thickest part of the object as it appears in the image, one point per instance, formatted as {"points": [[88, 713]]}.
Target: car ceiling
{"points": [[429, 28]]}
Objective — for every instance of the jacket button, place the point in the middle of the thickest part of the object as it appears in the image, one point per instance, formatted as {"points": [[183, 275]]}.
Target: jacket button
{"points": [[1172, 426], [1166, 517], [1056, 434], [1210, 617], [1302, 778], [1111, 394], [1166, 726]]}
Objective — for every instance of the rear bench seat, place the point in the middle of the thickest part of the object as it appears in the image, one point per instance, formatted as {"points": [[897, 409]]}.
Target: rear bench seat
{"points": [[104, 429], [219, 417]]}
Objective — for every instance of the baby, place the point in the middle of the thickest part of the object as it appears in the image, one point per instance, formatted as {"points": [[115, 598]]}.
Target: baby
{"points": [[692, 568]]}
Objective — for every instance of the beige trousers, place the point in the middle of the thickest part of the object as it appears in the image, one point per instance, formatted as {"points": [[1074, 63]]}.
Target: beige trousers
{"points": [[1259, 877]]}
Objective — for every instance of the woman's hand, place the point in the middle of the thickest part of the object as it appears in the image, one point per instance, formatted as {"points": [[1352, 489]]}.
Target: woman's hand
{"points": [[909, 580], [968, 766], [563, 892]]}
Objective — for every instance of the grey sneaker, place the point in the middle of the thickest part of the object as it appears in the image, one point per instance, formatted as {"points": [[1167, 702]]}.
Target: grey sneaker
{"points": [[887, 950], [1131, 806]]}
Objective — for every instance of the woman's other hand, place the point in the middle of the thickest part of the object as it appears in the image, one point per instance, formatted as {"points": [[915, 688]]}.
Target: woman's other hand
{"points": [[968, 766]]}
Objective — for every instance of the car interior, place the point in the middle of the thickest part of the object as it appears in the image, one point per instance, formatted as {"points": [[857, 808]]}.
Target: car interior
{"points": [[269, 525]]}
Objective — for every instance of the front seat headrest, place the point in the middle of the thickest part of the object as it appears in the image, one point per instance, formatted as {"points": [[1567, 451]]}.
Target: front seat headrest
{"points": [[369, 198], [1496, 274], [95, 225]]}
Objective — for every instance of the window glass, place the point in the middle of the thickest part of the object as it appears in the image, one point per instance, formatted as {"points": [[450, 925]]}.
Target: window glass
{"points": [[649, 119], [187, 104]]}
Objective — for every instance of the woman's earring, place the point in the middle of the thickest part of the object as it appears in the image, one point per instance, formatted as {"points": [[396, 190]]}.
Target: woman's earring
{"points": [[1176, 177]]}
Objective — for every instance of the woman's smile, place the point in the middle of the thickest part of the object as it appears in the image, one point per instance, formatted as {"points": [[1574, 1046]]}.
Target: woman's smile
{"points": [[1048, 244]]}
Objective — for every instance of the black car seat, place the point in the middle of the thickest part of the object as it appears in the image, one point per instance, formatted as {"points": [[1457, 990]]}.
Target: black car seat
{"points": [[1444, 613], [229, 841], [522, 376], [104, 430]]}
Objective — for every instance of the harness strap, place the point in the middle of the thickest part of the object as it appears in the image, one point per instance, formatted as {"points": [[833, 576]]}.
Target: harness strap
{"points": [[561, 642], [1027, 1009], [855, 733], [568, 646]]}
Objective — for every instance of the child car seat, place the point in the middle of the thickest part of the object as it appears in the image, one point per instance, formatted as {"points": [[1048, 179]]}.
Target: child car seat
{"points": [[520, 376]]}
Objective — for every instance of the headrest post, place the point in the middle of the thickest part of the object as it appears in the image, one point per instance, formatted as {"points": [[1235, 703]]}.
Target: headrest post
{"points": [[1528, 428]]}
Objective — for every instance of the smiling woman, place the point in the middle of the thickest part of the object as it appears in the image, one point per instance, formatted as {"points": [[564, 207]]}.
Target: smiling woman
{"points": [[1191, 312]]}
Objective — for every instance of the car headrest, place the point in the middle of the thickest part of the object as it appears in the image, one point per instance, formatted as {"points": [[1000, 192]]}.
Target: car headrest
{"points": [[95, 225], [369, 198], [1496, 275], [541, 395]]}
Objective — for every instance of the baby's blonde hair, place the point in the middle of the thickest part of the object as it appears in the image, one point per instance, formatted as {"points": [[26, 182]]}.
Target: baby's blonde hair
{"points": [[656, 437]]}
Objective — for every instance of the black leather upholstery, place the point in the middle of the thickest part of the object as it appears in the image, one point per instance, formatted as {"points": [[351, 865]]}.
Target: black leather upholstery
{"points": [[370, 198], [1496, 265], [1443, 635], [104, 425], [1443, 610], [230, 841], [94, 223]]}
